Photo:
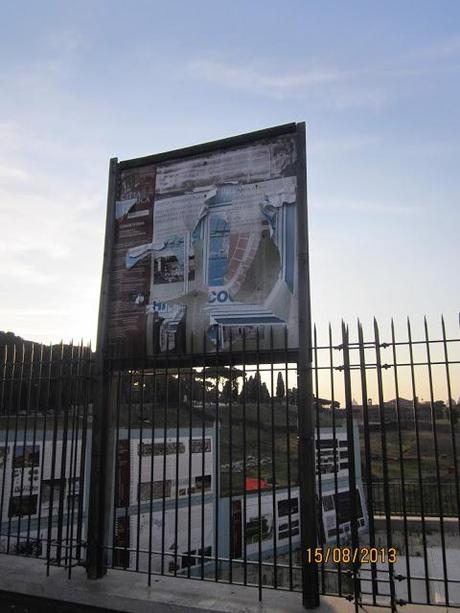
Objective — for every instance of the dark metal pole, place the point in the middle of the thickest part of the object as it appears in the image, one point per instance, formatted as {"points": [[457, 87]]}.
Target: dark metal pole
{"points": [[308, 516], [402, 472], [451, 421], [318, 454], [351, 459], [385, 471], [336, 457], [288, 453], [98, 505], [418, 448], [368, 457], [434, 428]]}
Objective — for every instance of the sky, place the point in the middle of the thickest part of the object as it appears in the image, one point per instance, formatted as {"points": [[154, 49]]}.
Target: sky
{"points": [[377, 84]]}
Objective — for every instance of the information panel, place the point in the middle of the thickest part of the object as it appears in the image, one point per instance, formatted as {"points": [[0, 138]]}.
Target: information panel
{"points": [[204, 247]]}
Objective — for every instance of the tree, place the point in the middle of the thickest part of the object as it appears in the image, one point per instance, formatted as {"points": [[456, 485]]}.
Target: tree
{"points": [[251, 395], [230, 391], [264, 393], [226, 391], [254, 390], [280, 386], [258, 391], [292, 395], [247, 390]]}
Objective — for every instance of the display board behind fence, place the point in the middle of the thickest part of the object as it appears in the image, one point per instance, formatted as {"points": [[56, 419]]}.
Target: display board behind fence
{"points": [[204, 245]]}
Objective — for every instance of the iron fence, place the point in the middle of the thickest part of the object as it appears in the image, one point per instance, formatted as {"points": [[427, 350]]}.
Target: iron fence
{"points": [[434, 501], [45, 414], [201, 471]]}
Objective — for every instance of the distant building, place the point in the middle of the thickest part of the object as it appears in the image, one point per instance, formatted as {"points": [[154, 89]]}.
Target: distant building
{"points": [[405, 408]]}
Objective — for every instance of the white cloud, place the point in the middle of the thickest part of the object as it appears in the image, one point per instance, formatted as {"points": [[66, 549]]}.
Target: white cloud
{"points": [[332, 88], [371, 85], [52, 204], [23, 268], [276, 85], [12, 174]]}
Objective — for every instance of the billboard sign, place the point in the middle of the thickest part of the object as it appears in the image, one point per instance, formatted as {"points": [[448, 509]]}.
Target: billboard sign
{"points": [[203, 247]]}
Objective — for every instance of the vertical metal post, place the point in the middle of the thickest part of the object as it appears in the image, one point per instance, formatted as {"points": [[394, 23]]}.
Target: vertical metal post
{"points": [[230, 463], [451, 421], [259, 476], [368, 456], [318, 456], [351, 458], [434, 427], [273, 458], [153, 413], [385, 471], [336, 457], [203, 427], [418, 448], [288, 453], [402, 472], [99, 502], [307, 477], [244, 392]]}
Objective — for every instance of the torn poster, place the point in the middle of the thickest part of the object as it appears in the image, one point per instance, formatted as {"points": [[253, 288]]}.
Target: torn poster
{"points": [[220, 261]]}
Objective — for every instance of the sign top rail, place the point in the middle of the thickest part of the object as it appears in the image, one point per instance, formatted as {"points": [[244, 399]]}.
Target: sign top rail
{"points": [[216, 145]]}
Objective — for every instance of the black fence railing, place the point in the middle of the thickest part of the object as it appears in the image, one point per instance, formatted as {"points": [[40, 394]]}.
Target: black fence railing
{"points": [[200, 454], [45, 413], [436, 498]]}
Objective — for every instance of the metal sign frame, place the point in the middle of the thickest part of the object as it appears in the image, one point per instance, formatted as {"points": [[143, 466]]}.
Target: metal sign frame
{"points": [[102, 450], [179, 155]]}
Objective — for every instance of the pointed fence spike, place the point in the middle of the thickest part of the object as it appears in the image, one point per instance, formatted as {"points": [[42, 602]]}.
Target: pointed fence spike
{"points": [[376, 325], [409, 328]]}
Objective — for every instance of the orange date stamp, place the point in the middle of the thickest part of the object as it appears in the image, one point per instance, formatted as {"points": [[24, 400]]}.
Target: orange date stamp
{"points": [[352, 555]]}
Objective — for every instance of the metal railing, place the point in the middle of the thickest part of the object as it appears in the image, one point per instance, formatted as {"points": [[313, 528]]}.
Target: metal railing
{"points": [[436, 497], [408, 461], [200, 457], [45, 412]]}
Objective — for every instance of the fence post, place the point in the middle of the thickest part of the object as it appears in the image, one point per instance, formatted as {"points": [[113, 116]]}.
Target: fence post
{"points": [[351, 458], [307, 477], [99, 503]]}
